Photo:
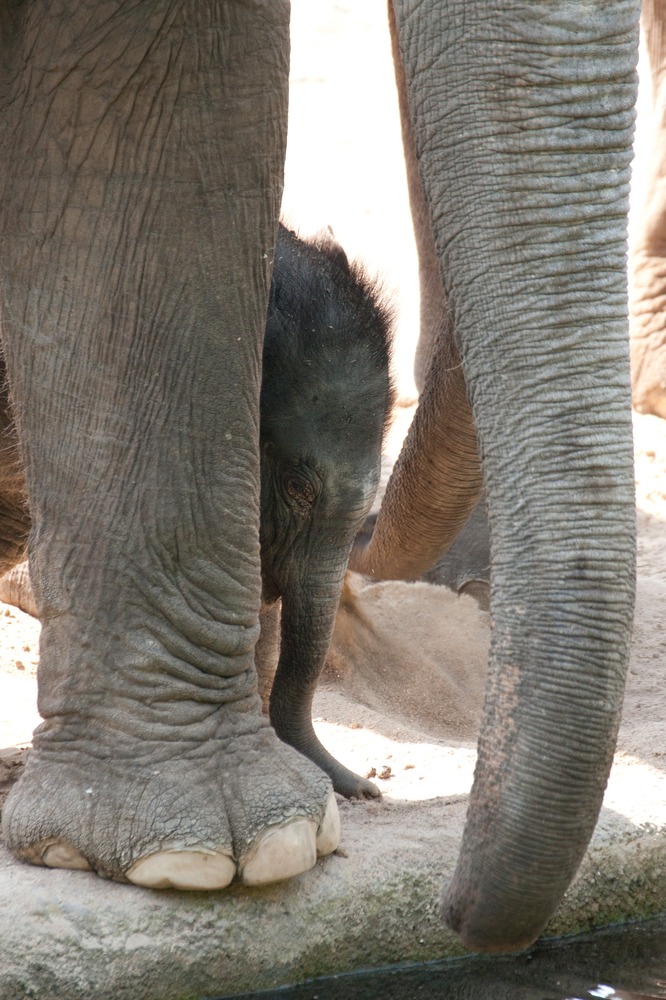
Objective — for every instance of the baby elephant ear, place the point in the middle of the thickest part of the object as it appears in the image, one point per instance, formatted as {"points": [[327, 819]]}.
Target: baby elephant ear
{"points": [[326, 242]]}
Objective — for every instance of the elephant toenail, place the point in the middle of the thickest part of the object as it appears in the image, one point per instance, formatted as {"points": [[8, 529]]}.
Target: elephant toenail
{"points": [[190, 870], [62, 855], [328, 835], [282, 852]]}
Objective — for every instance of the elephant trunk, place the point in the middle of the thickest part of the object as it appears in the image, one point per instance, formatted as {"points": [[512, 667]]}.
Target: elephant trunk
{"points": [[309, 606], [534, 267]]}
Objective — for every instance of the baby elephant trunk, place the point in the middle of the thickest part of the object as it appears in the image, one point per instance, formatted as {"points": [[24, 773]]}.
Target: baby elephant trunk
{"points": [[309, 607]]}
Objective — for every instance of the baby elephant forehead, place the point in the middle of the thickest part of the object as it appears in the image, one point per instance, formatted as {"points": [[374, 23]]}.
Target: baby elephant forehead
{"points": [[322, 430]]}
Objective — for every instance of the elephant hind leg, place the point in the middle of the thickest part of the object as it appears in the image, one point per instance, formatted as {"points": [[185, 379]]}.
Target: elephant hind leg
{"points": [[648, 334], [648, 264], [15, 589], [14, 514]]}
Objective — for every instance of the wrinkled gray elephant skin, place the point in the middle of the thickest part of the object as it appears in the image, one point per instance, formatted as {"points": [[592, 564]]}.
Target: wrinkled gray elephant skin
{"points": [[464, 566], [142, 166], [134, 292]]}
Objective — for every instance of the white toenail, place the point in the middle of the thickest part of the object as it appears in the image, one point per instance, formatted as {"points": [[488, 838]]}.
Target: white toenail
{"points": [[61, 855], [282, 852], [328, 835], [193, 870]]}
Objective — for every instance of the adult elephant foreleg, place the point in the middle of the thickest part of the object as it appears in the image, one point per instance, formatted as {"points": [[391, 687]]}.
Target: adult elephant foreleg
{"points": [[648, 259], [523, 120], [142, 149]]}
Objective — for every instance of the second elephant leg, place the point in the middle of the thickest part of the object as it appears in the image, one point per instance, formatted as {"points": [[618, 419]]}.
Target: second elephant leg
{"points": [[648, 262], [267, 650], [15, 589], [14, 513]]}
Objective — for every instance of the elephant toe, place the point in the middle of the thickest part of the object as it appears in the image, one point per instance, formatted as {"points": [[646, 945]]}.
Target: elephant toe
{"points": [[58, 854], [328, 833], [192, 869], [283, 851]]}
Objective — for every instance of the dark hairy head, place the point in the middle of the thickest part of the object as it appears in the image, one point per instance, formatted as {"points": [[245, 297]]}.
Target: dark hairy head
{"points": [[328, 330], [326, 399]]}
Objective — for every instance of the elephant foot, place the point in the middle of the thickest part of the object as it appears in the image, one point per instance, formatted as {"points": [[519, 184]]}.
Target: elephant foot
{"points": [[648, 372], [15, 589], [196, 818]]}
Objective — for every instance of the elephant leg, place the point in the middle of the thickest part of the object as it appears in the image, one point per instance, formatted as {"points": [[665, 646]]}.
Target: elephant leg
{"points": [[435, 317], [15, 589], [142, 149], [267, 650], [15, 586], [523, 123], [14, 513], [465, 566], [648, 258]]}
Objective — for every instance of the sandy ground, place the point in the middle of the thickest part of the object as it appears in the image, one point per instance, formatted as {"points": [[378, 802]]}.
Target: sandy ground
{"points": [[402, 695]]}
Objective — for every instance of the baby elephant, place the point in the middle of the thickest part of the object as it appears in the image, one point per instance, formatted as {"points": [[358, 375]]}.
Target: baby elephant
{"points": [[326, 398]]}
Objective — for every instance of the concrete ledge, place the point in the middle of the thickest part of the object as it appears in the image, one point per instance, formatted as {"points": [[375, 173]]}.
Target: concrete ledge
{"points": [[72, 936]]}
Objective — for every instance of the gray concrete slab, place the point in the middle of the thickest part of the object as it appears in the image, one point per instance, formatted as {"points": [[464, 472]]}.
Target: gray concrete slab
{"points": [[71, 936]]}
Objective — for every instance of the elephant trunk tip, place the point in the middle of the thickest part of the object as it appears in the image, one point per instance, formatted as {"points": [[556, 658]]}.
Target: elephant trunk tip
{"points": [[484, 926]]}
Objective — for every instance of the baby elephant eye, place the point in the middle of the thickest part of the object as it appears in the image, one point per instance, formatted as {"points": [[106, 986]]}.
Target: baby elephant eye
{"points": [[299, 488]]}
